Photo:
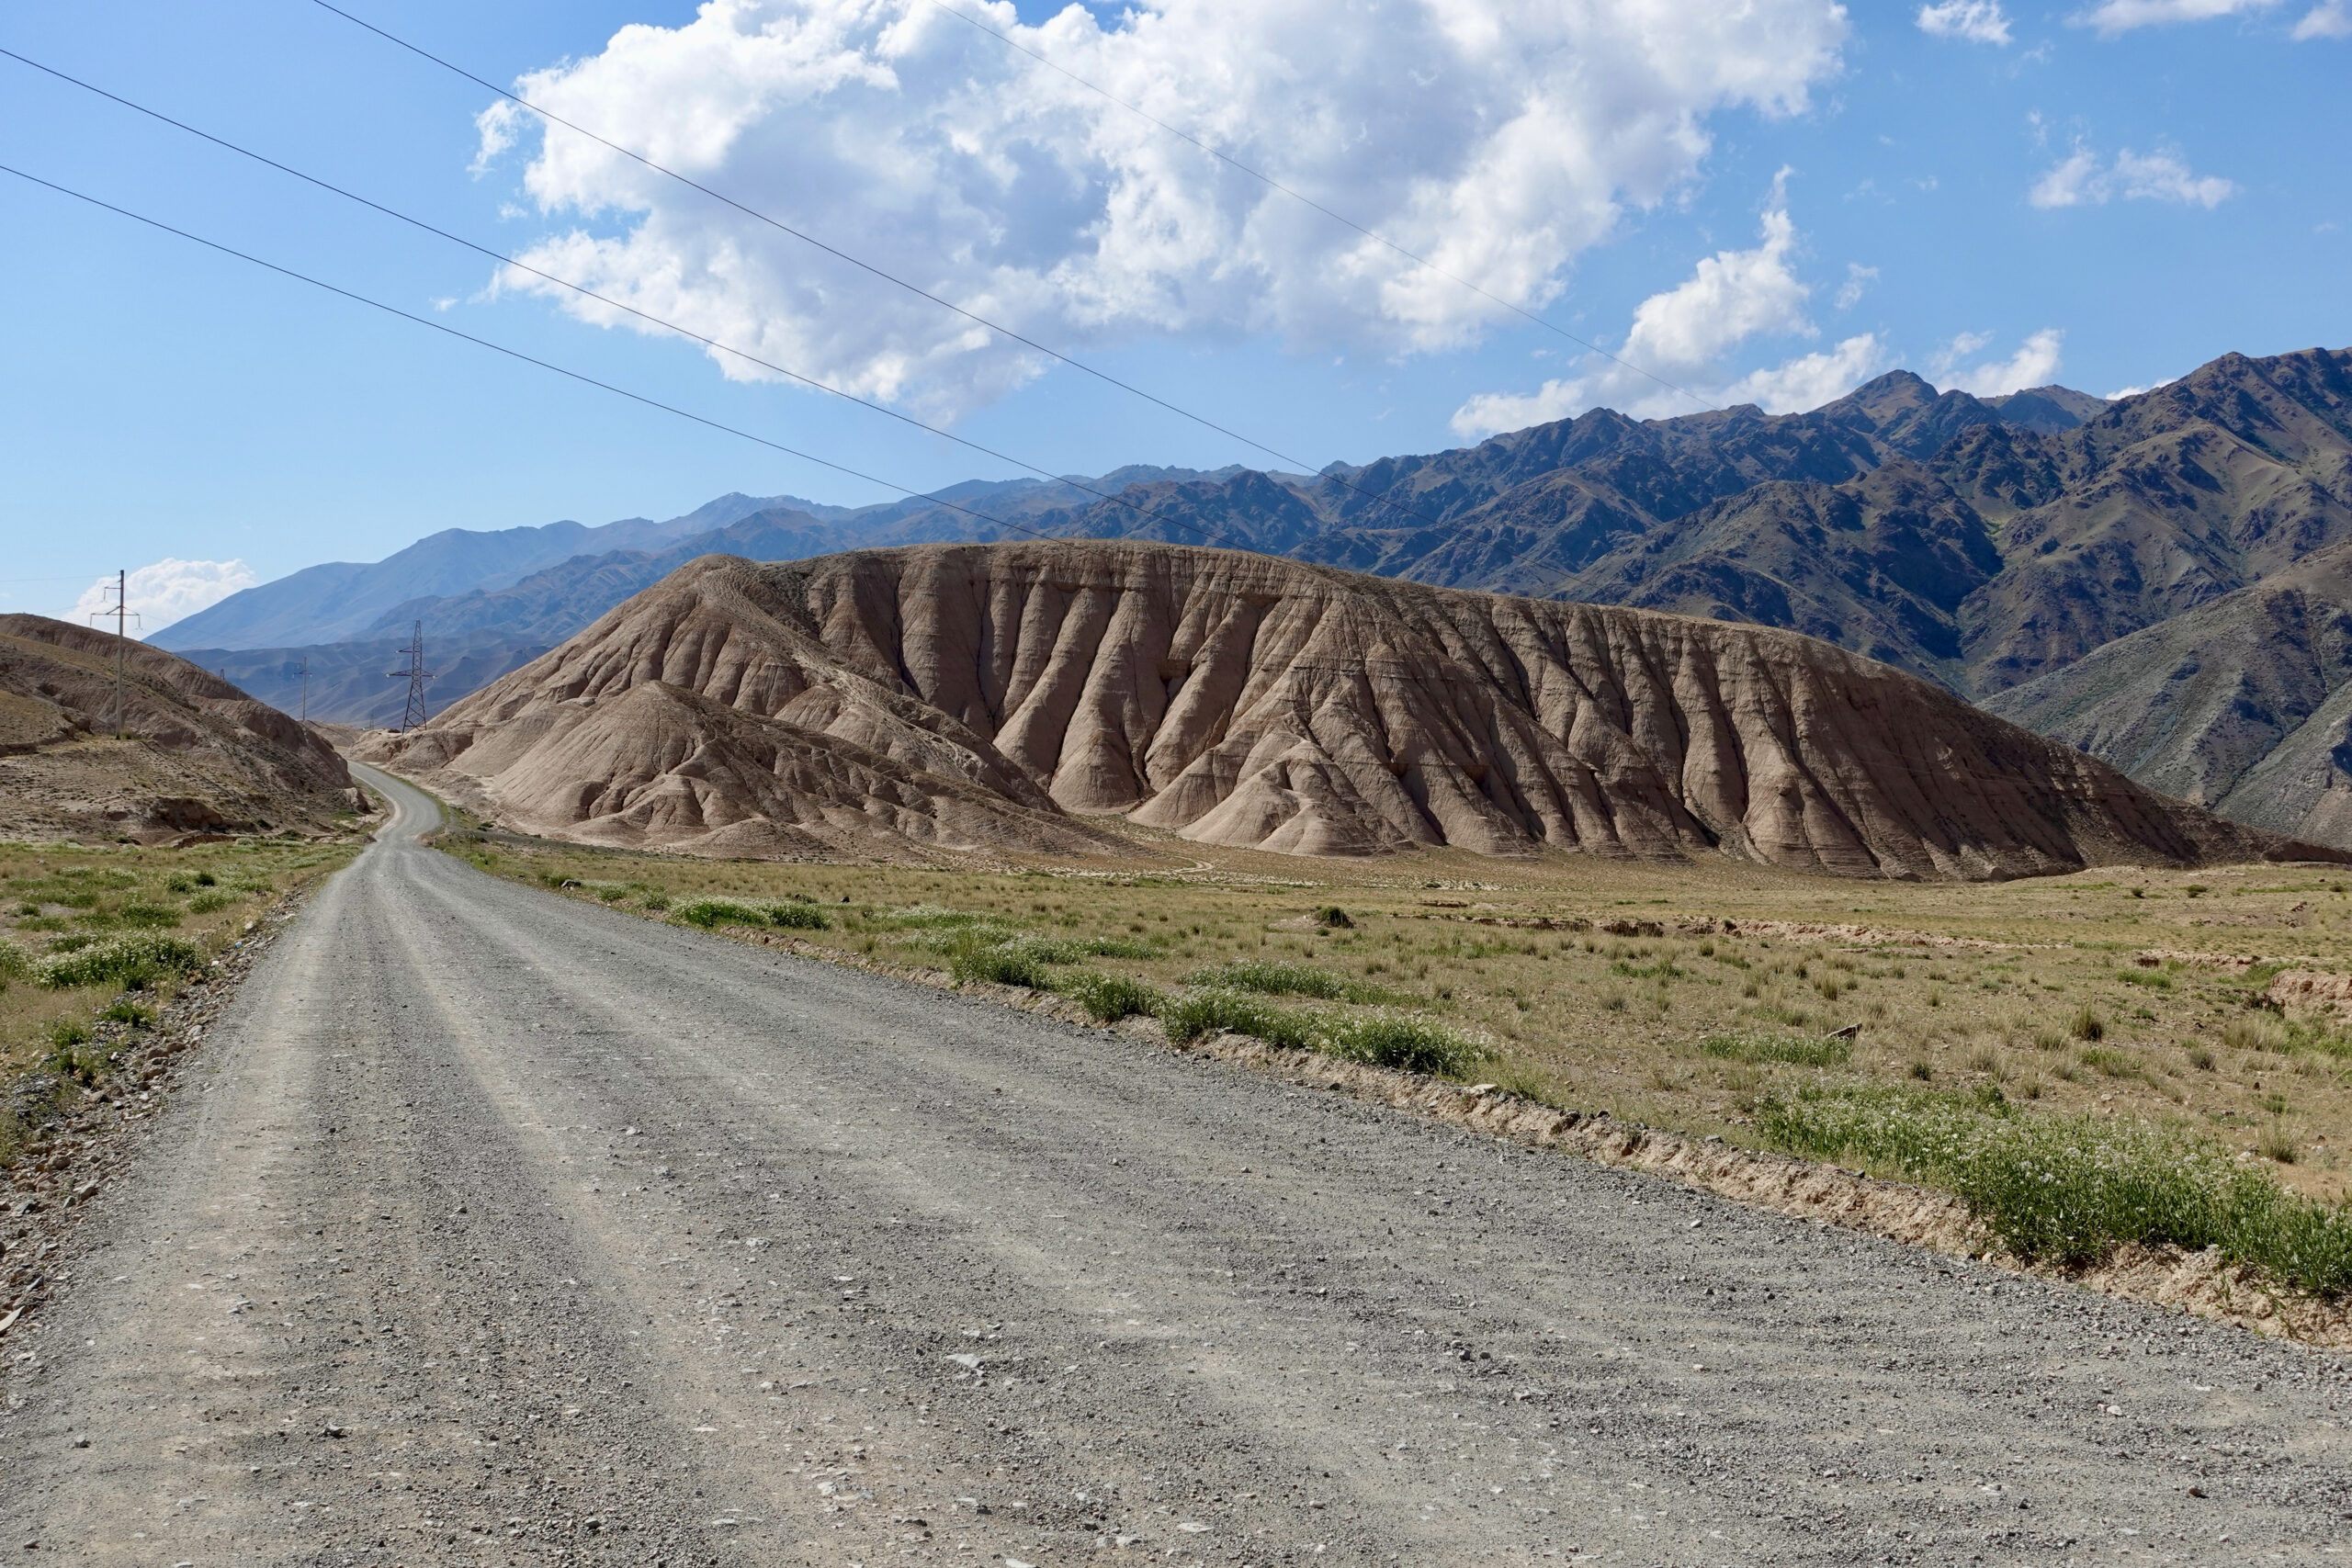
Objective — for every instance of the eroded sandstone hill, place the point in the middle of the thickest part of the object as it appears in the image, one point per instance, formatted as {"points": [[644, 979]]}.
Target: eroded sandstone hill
{"points": [[192, 754], [1001, 695]]}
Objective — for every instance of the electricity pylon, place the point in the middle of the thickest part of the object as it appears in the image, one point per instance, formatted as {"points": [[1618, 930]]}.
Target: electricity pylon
{"points": [[123, 615], [416, 675]]}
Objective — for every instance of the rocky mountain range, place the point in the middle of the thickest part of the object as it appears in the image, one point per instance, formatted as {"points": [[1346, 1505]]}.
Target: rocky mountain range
{"points": [[1014, 696], [1985, 543]]}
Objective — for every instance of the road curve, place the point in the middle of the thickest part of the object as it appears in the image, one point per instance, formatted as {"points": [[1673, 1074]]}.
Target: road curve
{"points": [[495, 1227]]}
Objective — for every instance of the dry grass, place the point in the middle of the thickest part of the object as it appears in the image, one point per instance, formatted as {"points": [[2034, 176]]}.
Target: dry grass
{"points": [[1946, 982], [72, 897]]}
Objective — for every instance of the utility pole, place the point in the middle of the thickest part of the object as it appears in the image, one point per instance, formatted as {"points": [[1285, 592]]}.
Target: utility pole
{"points": [[306, 689], [416, 675], [122, 618]]}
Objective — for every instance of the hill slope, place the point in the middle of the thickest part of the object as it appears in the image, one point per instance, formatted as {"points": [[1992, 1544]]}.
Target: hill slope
{"points": [[198, 755], [974, 696]]}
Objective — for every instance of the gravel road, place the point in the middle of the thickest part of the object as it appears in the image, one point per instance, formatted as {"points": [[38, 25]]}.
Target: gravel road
{"points": [[495, 1227]]}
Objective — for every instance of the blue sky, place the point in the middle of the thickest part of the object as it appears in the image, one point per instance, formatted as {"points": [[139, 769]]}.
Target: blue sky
{"points": [[1759, 214]]}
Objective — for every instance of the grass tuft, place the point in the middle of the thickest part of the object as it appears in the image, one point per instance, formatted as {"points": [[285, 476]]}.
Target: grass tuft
{"points": [[1278, 977], [1110, 998], [136, 960], [1196, 1014], [1796, 1050], [2070, 1189], [710, 913], [1000, 967], [1409, 1044]]}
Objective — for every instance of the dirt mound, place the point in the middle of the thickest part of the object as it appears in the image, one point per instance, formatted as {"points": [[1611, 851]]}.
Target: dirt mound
{"points": [[994, 695], [194, 753]]}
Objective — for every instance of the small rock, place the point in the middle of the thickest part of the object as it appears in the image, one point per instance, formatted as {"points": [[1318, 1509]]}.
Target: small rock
{"points": [[338, 1431], [81, 1442]]}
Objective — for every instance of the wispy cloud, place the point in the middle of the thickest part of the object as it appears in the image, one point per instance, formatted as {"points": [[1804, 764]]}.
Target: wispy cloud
{"points": [[167, 591], [2035, 364], [1858, 278], [1977, 21], [2114, 17], [2083, 179], [2329, 18]]}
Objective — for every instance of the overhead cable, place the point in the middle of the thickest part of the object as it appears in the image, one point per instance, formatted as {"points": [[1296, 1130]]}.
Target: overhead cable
{"points": [[895, 281], [585, 292], [518, 354]]}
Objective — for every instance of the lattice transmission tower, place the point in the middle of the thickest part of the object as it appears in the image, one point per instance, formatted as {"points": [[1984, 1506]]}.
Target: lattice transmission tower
{"points": [[416, 675]]}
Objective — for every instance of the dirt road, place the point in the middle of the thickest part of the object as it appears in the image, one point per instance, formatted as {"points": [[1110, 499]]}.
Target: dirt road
{"points": [[495, 1227]]}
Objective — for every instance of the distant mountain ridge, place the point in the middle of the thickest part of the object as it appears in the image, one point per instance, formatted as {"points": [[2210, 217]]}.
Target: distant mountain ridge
{"points": [[1987, 543]]}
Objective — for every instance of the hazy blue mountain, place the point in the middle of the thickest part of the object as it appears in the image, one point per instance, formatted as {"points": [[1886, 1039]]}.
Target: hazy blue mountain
{"points": [[339, 600]]}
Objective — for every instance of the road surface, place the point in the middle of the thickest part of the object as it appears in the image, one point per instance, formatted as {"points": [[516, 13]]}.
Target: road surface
{"points": [[494, 1227]]}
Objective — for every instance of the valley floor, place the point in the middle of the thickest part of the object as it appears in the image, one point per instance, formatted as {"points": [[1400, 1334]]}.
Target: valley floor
{"points": [[1674, 993], [499, 1227]]}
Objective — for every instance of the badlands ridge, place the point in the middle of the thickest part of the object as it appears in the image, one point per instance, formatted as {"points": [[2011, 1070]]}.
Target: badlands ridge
{"points": [[1008, 698]]}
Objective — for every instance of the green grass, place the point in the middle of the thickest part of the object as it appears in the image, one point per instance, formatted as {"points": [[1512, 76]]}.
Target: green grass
{"points": [[1795, 1050], [999, 965], [711, 913], [1278, 977], [135, 961], [1110, 998], [1196, 1014], [2070, 1189], [1409, 1044], [1385, 1039]]}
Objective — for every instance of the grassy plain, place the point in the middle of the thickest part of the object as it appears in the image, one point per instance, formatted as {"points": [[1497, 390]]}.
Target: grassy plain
{"points": [[1619, 986], [67, 900]]}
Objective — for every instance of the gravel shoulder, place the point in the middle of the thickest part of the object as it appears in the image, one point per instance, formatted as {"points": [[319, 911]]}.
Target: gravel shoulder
{"points": [[497, 1227]]}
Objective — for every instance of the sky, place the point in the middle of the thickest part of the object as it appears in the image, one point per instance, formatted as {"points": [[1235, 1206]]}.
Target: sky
{"points": [[1281, 234]]}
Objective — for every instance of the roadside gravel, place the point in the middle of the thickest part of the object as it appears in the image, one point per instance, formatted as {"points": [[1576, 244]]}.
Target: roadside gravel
{"points": [[496, 1227]]}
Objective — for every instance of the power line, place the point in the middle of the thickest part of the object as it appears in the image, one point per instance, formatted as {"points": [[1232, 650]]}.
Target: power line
{"points": [[585, 379], [588, 293], [806, 238], [1341, 218]]}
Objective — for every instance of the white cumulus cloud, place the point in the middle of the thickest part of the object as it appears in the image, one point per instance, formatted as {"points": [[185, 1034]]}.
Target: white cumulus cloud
{"points": [[2329, 18], [1811, 379], [2083, 179], [1497, 138], [2113, 17], [1681, 335], [167, 591], [2035, 364], [1978, 21]]}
